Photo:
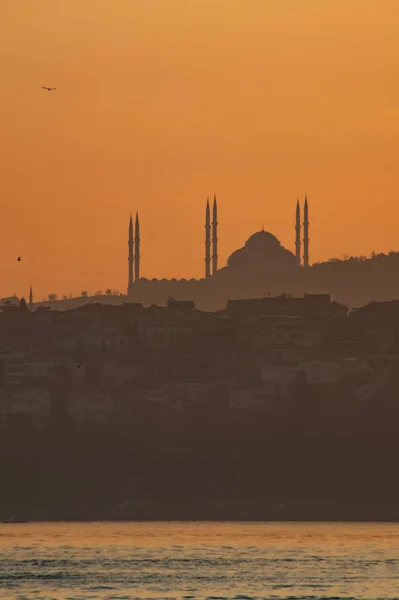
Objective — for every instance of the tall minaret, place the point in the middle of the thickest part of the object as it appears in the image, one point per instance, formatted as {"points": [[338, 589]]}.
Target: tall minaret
{"points": [[30, 297], [130, 259], [137, 249], [207, 241], [305, 234], [215, 237], [298, 233]]}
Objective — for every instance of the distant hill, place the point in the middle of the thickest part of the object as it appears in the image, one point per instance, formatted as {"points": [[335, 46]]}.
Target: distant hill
{"points": [[70, 303], [357, 280]]}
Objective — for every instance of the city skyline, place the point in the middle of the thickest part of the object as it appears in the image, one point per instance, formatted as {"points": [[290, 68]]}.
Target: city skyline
{"points": [[256, 103], [299, 248]]}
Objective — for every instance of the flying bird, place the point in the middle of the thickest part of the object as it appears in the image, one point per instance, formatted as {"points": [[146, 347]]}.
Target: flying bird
{"points": [[19, 259], [44, 87]]}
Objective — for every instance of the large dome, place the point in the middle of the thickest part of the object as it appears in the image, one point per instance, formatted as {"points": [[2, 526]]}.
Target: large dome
{"points": [[262, 252], [262, 239]]}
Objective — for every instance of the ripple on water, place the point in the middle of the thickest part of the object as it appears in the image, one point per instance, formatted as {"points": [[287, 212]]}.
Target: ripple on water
{"points": [[197, 562]]}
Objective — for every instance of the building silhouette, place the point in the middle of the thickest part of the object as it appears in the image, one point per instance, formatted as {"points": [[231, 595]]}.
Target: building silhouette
{"points": [[131, 258], [306, 234], [207, 241], [215, 238], [134, 252], [262, 259], [137, 249], [298, 233], [261, 267], [97, 397]]}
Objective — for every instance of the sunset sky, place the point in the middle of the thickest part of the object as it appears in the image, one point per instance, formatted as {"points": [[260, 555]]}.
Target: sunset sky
{"points": [[160, 103]]}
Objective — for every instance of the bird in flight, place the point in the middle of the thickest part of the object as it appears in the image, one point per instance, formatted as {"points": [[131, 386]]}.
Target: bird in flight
{"points": [[19, 259], [44, 87]]}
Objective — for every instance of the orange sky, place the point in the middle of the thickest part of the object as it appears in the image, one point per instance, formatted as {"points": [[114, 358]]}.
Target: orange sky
{"points": [[160, 103]]}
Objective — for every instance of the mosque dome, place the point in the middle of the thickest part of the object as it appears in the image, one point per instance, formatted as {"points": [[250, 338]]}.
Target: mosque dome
{"points": [[262, 240], [261, 252]]}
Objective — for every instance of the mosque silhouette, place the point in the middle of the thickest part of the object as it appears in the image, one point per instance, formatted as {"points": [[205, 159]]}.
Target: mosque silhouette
{"points": [[261, 261]]}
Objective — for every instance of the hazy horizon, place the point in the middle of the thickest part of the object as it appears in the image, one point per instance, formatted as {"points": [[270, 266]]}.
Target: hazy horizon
{"points": [[161, 104]]}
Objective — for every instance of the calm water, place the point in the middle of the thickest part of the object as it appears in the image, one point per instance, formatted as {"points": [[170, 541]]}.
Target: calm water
{"points": [[198, 560]]}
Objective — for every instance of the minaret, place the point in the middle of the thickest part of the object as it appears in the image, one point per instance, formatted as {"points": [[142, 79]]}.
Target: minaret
{"points": [[30, 297], [137, 249], [298, 233], [215, 237], [207, 241], [130, 259], [305, 234]]}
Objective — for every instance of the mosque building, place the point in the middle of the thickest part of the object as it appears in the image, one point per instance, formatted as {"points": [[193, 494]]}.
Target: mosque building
{"points": [[262, 261], [262, 267]]}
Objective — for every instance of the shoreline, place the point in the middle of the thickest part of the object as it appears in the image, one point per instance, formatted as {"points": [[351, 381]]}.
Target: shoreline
{"points": [[195, 518]]}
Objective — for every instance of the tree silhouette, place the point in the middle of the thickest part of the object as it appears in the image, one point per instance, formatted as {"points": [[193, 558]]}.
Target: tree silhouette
{"points": [[52, 297]]}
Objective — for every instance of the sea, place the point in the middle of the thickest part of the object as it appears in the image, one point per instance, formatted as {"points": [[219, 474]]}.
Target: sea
{"points": [[197, 561]]}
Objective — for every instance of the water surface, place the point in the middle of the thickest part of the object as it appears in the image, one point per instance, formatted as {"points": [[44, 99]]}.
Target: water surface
{"points": [[194, 561]]}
